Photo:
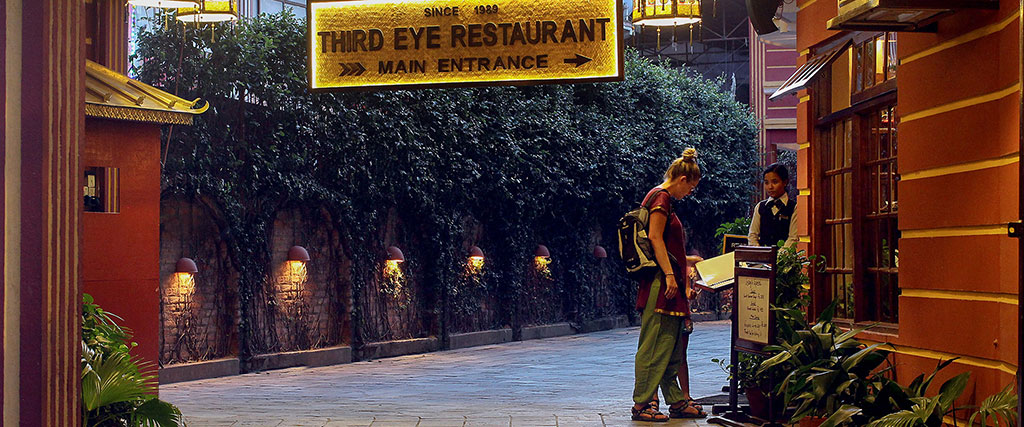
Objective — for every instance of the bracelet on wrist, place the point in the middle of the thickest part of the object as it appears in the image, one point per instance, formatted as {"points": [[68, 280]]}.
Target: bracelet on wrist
{"points": [[669, 274]]}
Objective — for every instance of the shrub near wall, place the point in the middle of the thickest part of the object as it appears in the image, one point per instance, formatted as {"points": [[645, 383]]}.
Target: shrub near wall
{"points": [[554, 165]]}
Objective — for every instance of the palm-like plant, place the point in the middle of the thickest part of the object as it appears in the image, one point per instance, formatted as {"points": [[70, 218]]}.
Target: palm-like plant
{"points": [[117, 390], [1001, 407]]}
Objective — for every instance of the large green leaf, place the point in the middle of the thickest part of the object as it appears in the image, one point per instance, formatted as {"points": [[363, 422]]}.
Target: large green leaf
{"points": [[843, 415], [1000, 407], [157, 413], [951, 390]]}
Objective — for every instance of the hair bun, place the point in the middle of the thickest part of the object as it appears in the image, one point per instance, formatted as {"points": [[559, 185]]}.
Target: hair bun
{"points": [[690, 154]]}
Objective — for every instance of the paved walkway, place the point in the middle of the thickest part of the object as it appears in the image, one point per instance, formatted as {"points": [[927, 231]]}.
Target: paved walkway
{"points": [[577, 380]]}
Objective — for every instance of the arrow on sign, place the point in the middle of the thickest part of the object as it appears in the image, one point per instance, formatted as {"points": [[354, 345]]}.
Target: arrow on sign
{"points": [[578, 60], [353, 69]]}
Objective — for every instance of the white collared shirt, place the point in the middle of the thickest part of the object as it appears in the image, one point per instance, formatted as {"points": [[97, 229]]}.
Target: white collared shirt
{"points": [[755, 224]]}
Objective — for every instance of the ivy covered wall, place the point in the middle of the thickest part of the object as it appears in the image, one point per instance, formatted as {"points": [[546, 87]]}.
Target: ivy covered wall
{"points": [[432, 172]]}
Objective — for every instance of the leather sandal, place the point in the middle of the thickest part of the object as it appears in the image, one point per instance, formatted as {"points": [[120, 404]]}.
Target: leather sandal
{"points": [[693, 403], [681, 412], [648, 414]]}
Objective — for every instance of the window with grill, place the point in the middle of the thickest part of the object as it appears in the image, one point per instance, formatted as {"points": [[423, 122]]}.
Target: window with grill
{"points": [[837, 229], [881, 234]]}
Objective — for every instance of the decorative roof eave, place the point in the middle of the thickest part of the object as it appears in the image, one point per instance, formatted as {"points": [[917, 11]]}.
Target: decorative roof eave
{"points": [[111, 95]]}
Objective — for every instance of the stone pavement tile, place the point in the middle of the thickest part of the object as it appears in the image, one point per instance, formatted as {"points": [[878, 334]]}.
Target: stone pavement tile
{"points": [[395, 422], [579, 420], [488, 384], [205, 421], [534, 421], [442, 422], [246, 422], [488, 421], [349, 422]]}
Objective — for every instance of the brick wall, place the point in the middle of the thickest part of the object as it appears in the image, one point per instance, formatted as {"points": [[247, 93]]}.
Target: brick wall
{"points": [[313, 302], [199, 320]]}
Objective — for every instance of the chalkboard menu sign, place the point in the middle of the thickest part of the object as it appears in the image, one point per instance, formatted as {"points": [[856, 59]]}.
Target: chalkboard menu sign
{"points": [[753, 309], [753, 321]]}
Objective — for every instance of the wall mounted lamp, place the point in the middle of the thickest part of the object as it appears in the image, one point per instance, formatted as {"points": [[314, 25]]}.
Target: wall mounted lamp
{"points": [[184, 275], [542, 257], [600, 252], [393, 269], [298, 253], [395, 255], [476, 258], [186, 266], [297, 259]]}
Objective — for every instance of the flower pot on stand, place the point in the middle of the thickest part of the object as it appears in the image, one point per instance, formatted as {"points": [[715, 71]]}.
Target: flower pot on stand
{"points": [[759, 401]]}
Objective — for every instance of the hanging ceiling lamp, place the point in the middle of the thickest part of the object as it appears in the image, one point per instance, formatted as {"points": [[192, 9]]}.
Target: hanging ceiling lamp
{"points": [[210, 11], [666, 13], [164, 4]]}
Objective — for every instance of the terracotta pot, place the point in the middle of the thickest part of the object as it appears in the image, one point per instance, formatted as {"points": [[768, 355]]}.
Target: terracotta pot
{"points": [[759, 403], [811, 421]]}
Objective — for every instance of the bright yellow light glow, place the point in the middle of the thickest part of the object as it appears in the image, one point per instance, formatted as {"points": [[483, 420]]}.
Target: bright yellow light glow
{"points": [[296, 272], [186, 284], [210, 11], [393, 268], [476, 264], [659, 13], [367, 44], [542, 263]]}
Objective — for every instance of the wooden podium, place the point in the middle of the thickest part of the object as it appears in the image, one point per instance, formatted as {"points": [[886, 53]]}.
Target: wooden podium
{"points": [[753, 323]]}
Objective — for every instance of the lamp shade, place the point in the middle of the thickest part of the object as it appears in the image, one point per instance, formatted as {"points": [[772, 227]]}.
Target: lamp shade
{"points": [[210, 11], [666, 13], [298, 253], [600, 252], [476, 252], [166, 4], [395, 254], [542, 252], [186, 265]]}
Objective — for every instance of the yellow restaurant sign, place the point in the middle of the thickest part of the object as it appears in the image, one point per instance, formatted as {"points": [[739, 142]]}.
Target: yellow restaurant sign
{"points": [[382, 44]]}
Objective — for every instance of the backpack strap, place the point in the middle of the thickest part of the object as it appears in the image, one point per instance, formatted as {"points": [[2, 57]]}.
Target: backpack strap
{"points": [[647, 203]]}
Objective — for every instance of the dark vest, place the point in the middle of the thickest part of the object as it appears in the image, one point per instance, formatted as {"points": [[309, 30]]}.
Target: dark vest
{"points": [[774, 227]]}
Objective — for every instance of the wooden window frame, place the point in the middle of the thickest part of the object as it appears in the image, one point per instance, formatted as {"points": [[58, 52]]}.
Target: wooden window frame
{"points": [[863, 105], [860, 73]]}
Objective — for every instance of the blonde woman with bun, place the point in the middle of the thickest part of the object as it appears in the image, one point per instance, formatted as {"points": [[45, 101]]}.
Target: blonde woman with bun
{"points": [[663, 299]]}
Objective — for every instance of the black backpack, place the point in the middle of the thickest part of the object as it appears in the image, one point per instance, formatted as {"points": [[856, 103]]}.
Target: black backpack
{"points": [[635, 245]]}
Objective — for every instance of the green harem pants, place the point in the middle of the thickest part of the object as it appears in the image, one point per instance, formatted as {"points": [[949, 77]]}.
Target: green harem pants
{"points": [[658, 358]]}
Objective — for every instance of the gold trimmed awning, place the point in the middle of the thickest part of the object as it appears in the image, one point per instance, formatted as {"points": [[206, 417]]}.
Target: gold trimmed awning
{"points": [[110, 95]]}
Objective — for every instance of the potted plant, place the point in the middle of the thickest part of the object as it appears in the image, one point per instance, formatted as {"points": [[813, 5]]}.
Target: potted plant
{"points": [[790, 301], [754, 384], [828, 368]]}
